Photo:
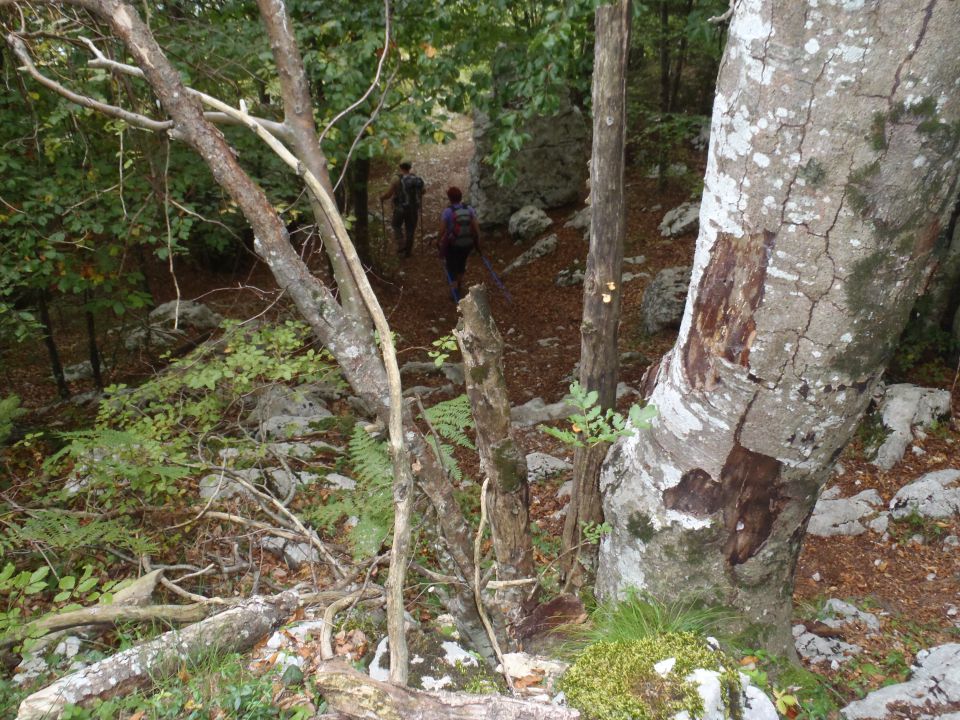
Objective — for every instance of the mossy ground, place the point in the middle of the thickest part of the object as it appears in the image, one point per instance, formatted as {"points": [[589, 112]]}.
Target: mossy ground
{"points": [[617, 680]]}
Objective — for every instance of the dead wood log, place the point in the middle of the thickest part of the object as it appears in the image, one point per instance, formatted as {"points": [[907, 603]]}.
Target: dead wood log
{"points": [[233, 630], [501, 459], [358, 697], [110, 615]]}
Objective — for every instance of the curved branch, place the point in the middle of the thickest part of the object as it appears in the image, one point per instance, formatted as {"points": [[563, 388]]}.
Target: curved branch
{"points": [[20, 50]]}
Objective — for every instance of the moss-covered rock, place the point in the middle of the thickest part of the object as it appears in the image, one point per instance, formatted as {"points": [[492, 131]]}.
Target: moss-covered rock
{"points": [[619, 680]]}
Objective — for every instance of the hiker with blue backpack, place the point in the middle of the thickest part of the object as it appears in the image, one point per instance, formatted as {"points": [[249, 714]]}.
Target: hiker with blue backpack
{"points": [[459, 236], [407, 193]]}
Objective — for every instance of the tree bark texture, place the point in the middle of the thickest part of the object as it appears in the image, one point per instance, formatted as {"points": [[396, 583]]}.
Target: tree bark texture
{"points": [[501, 459], [234, 630], [599, 360], [832, 165], [358, 697]]}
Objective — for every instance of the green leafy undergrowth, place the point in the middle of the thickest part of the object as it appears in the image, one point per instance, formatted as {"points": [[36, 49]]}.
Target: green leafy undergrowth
{"points": [[590, 425], [796, 692], [616, 680], [145, 439], [20, 591]]}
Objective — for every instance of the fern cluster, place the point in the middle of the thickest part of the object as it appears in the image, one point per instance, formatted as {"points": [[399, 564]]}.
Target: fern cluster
{"points": [[371, 502], [55, 531]]}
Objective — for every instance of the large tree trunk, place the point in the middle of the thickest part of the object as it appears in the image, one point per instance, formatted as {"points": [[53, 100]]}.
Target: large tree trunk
{"points": [[599, 362], [832, 164]]}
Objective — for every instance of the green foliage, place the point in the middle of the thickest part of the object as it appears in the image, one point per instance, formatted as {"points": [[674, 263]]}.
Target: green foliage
{"points": [[9, 411], [451, 419], [616, 679], [443, 347], [55, 531], [145, 438], [811, 696], [593, 532], [591, 426], [371, 502], [71, 592]]}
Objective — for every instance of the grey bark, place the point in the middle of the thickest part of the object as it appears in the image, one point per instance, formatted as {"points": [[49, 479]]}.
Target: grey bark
{"points": [[501, 460], [832, 165], [602, 292]]}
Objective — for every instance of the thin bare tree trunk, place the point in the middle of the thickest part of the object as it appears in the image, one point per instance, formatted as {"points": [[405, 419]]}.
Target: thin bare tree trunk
{"points": [[501, 460], [599, 361], [55, 364]]}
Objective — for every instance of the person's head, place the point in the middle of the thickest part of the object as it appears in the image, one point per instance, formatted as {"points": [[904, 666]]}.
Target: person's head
{"points": [[405, 166], [454, 194]]}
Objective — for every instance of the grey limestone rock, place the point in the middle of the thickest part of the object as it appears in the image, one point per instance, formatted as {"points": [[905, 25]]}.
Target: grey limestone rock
{"points": [[934, 495], [816, 649], [842, 516], [551, 167], [541, 465], [537, 411], [902, 408], [528, 222], [682, 219], [933, 690], [664, 300], [543, 247]]}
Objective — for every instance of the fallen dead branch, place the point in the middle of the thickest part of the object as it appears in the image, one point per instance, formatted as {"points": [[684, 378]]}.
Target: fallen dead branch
{"points": [[353, 695], [234, 629]]}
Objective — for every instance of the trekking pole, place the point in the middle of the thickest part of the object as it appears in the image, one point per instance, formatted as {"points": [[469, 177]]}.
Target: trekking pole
{"points": [[453, 289], [496, 279], [383, 223], [421, 224]]}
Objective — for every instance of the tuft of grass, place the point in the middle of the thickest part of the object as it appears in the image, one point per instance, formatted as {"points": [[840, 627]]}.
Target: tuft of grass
{"points": [[641, 615]]}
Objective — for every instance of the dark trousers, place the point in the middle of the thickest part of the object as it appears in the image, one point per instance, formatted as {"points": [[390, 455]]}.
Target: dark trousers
{"points": [[404, 229]]}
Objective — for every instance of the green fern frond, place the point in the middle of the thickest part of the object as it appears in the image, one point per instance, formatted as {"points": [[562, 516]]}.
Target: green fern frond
{"points": [[369, 458], [54, 531], [448, 459], [451, 419]]}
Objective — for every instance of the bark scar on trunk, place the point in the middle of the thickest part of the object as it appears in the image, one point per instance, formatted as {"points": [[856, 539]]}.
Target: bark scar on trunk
{"points": [[751, 485], [731, 289], [697, 494]]}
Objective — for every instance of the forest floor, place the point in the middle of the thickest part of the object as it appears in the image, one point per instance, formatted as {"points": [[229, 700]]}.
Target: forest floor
{"points": [[911, 581]]}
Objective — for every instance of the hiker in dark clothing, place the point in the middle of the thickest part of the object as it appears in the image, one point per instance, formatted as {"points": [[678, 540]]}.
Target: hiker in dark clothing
{"points": [[459, 235], [406, 190]]}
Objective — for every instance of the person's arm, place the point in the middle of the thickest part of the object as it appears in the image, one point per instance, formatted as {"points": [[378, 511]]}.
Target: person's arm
{"points": [[475, 229], [391, 191], [442, 235]]}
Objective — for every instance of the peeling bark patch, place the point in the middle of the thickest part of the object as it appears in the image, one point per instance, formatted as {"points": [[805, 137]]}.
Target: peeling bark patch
{"points": [[730, 291], [751, 485], [697, 494]]}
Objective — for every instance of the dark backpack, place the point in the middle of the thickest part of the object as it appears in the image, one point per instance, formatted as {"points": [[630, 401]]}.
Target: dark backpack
{"points": [[411, 190], [460, 232]]}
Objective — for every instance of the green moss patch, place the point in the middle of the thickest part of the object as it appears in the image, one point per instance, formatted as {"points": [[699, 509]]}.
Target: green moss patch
{"points": [[617, 680]]}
